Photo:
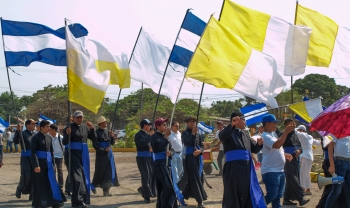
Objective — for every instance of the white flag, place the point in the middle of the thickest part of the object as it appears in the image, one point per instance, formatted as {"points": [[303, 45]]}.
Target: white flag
{"points": [[148, 64]]}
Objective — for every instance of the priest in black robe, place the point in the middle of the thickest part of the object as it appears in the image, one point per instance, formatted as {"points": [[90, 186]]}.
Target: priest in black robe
{"points": [[342, 201], [193, 162], [80, 160], [25, 180], [144, 161], [293, 189], [159, 142], [105, 175], [239, 176], [46, 190]]}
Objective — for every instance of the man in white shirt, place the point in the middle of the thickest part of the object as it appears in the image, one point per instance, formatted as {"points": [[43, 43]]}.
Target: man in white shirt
{"points": [[306, 157], [176, 143], [273, 158], [340, 165], [221, 155], [57, 152], [9, 138]]}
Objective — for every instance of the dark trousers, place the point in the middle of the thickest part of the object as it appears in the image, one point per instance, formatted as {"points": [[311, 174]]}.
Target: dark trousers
{"points": [[58, 163], [221, 160]]}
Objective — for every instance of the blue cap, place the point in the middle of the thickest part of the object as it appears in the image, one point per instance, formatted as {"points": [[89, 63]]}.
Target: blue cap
{"points": [[269, 118]]}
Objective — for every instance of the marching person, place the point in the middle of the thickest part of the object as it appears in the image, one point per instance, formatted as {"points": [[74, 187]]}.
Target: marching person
{"points": [[80, 160], [293, 190], [241, 187], [342, 200], [46, 191], [306, 158], [144, 160], [176, 158], [159, 142], [193, 162], [57, 152], [339, 160], [274, 158], [25, 181], [105, 170]]}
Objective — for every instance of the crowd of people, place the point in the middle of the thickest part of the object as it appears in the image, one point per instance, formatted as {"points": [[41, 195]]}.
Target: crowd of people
{"points": [[170, 161]]}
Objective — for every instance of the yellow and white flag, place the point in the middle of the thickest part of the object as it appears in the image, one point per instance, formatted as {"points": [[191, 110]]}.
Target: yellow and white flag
{"points": [[329, 43], [117, 65], [224, 60], [86, 86], [307, 110], [283, 41]]}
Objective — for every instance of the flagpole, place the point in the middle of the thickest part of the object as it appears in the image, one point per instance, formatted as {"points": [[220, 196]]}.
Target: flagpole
{"points": [[12, 95], [141, 104], [120, 90], [291, 77], [166, 68], [200, 100]]}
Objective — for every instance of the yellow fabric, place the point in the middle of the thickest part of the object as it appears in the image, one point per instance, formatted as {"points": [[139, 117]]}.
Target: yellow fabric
{"points": [[250, 25], [220, 57], [82, 94], [119, 76], [322, 39], [300, 109]]}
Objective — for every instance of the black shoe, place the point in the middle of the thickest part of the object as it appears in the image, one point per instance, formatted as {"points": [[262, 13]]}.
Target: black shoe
{"points": [[30, 197], [58, 205], [303, 202], [106, 193], [79, 205], [67, 193], [288, 202], [18, 194], [147, 200], [200, 205], [94, 191], [140, 191]]}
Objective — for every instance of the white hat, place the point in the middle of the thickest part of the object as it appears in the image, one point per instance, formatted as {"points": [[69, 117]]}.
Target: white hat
{"points": [[101, 119], [301, 127]]}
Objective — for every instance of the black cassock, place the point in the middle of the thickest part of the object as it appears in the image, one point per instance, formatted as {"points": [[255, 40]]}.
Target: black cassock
{"points": [[194, 186], [236, 173], [42, 192], [293, 190], [342, 201], [25, 181], [103, 170], [166, 194], [148, 185], [80, 134]]}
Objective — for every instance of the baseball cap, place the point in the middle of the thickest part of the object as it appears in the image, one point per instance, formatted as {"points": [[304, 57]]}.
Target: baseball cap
{"points": [[220, 122], [235, 114], [190, 118], [145, 122], [269, 118], [159, 121], [30, 121], [301, 127], [78, 113]]}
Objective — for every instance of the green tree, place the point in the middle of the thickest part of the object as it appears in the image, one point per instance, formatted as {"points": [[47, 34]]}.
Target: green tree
{"points": [[225, 108]]}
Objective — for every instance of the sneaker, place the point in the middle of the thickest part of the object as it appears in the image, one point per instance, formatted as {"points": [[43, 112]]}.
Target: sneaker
{"points": [[79, 205], [147, 200], [58, 205], [303, 202], [288, 202], [200, 205], [67, 193]]}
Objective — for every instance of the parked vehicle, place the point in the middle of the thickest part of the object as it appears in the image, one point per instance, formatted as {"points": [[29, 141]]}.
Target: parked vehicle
{"points": [[120, 133]]}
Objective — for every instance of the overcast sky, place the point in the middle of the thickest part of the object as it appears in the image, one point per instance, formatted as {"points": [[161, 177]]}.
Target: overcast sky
{"points": [[116, 24]]}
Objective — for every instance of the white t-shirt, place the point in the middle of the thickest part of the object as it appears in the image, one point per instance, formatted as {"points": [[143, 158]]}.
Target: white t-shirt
{"points": [[342, 147], [9, 136], [273, 159], [217, 137], [175, 141], [306, 142]]}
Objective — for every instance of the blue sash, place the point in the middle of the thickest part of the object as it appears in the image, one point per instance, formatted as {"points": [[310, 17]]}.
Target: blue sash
{"points": [[56, 192], [111, 158], [289, 150], [189, 151], [256, 194], [86, 162], [326, 154], [160, 155], [144, 154], [28, 153]]}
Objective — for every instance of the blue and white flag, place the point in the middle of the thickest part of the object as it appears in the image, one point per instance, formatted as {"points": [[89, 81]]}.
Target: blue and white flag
{"points": [[42, 117], [3, 125], [26, 42], [187, 41], [253, 113], [202, 128]]}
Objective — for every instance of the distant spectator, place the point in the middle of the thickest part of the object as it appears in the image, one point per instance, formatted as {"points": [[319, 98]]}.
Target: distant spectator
{"points": [[9, 138], [1, 148]]}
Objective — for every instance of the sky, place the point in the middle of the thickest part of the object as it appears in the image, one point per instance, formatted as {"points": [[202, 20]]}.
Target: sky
{"points": [[116, 24]]}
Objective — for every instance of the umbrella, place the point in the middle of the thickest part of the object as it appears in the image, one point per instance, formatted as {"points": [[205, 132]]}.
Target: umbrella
{"points": [[335, 119]]}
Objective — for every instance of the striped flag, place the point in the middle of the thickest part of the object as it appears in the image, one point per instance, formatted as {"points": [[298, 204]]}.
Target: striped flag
{"points": [[253, 113], [202, 128], [3, 125], [42, 117]]}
